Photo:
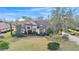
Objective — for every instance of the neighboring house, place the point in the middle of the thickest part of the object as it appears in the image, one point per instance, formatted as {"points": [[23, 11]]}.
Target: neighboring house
{"points": [[34, 26], [4, 26]]}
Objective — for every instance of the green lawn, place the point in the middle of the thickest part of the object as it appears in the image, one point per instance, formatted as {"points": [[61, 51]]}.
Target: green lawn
{"points": [[7, 37]]}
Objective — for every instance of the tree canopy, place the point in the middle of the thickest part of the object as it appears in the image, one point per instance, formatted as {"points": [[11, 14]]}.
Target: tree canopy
{"points": [[62, 18]]}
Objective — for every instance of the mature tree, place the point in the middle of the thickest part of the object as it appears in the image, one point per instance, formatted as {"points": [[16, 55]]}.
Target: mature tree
{"points": [[61, 18], [56, 19], [18, 32], [70, 18], [77, 21]]}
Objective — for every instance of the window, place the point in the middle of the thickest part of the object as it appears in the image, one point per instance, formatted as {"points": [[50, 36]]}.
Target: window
{"points": [[28, 27], [37, 27]]}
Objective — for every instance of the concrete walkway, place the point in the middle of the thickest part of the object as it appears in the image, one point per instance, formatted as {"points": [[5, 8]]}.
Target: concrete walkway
{"points": [[72, 38]]}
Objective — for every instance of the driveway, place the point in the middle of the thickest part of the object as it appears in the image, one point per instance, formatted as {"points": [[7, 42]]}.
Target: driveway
{"points": [[72, 38]]}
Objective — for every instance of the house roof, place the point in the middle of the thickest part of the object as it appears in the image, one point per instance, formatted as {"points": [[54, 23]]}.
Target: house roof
{"points": [[42, 23], [30, 22], [4, 26], [39, 23]]}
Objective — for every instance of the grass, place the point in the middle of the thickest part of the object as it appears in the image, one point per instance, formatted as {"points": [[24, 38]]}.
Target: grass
{"points": [[36, 43], [40, 44], [29, 44], [7, 37], [65, 45], [68, 46]]}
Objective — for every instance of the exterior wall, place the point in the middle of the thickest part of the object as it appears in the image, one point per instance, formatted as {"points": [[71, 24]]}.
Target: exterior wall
{"points": [[28, 26], [38, 31], [34, 28]]}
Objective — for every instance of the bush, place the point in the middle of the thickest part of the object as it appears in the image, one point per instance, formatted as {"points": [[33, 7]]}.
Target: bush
{"points": [[4, 45], [65, 37], [34, 33], [47, 34], [41, 34], [53, 46], [20, 35], [49, 31], [13, 35]]}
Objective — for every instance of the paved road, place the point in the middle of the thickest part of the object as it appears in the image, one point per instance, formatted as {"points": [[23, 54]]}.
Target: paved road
{"points": [[72, 38]]}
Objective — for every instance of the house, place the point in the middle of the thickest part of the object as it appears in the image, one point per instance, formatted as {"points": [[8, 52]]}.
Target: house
{"points": [[38, 26], [4, 26], [42, 25]]}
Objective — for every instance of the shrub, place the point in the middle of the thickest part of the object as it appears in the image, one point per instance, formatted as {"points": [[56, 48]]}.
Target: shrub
{"points": [[20, 35], [25, 32], [13, 35], [53, 46], [4, 45], [65, 37], [47, 34], [49, 31], [34, 33], [41, 34]]}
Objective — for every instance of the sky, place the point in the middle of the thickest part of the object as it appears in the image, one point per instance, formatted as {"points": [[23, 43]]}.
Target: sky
{"points": [[17, 12], [12, 13]]}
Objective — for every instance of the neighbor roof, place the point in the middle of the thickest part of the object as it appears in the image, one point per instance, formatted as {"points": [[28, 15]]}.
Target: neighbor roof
{"points": [[4, 26]]}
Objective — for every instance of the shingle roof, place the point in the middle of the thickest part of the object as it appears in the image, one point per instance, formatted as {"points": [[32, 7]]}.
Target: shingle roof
{"points": [[30, 22], [39, 23], [43, 23], [4, 26]]}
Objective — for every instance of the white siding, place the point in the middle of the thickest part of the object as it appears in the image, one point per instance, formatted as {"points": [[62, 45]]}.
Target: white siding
{"points": [[28, 26], [34, 28], [38, 31]]}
